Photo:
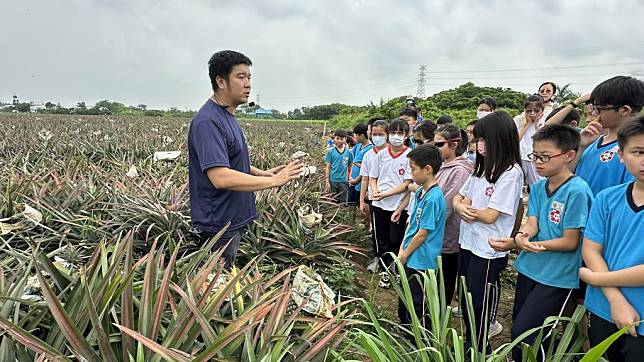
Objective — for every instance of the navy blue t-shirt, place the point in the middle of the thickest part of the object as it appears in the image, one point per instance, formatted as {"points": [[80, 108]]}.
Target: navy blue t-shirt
{"points": [[216, 140]]}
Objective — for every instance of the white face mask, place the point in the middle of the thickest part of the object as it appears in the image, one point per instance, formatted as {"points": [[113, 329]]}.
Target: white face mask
{"points": [[396, 140], [379, 140], [481, 114]]}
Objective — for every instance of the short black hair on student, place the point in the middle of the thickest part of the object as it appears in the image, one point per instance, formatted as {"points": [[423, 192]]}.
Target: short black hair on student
{"points": [[489, 101], [381, 123], [410, 113], [570, 117], [427, 129], [340, 133], [535, 98], [374, 119], [221, 64], [398, 125], [471, 123], [444, 119], [619, 91], [427, 155], [563, 136], [629, 129], [360, 129]]}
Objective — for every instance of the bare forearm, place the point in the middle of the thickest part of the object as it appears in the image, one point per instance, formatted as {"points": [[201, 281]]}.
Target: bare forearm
{"points": [[561, 115], [257, 172], [487, 215], [364, 184], [398, 189], [229, 179], [416, 241], [404, 202], [629, 277], [595, 262]]}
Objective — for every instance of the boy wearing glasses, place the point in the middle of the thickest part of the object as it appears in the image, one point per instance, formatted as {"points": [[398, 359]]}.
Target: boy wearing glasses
{"points": [[550, 241], [615, 101]]}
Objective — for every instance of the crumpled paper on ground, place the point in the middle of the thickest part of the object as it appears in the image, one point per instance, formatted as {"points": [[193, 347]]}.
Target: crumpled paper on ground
{"points": [[321, 299], [166, 155], [28, 219]]}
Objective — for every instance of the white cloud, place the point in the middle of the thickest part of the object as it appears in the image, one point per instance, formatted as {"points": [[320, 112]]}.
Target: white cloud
{"points": [[307, 52]]}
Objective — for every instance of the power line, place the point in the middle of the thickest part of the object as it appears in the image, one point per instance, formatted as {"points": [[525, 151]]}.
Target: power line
{"points": [[535, 68]]}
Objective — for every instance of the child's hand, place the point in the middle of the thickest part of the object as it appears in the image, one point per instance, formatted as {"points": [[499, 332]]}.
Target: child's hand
{"points": [[524, 244], [623, 314], [467, 213], [395, 217], [502, 244], [413, 187], [590, 133], [363, 207], [587, 275], [377, 195]]}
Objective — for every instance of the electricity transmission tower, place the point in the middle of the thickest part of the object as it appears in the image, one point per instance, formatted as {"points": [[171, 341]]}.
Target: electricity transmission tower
{"points": [[420, 91]]}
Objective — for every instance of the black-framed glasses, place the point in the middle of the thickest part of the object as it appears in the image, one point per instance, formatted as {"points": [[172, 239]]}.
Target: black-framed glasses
{"points": [[543, 158], [598, 109], [442, 143]]}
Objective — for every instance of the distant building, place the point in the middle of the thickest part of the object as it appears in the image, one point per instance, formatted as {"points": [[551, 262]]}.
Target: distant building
{"points": [[36, 107], [263, 113]]}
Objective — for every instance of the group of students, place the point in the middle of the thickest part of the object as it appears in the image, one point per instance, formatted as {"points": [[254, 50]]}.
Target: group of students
{"points": [[437, 190]]}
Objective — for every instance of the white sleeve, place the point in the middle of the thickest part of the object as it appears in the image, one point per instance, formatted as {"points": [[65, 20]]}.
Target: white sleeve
{"points": [[465, 189], [507, 191], [374, 168], [364, 167], [408, 175]]}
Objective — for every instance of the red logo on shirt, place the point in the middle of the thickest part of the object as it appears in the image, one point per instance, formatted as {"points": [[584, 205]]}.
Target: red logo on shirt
{"points": [[556, 209], [401, 171], [489, 191], [608, 155]]}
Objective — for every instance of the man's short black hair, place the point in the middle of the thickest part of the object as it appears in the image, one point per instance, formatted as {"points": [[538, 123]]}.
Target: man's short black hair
{"points": [[619, 91], [427, 154], [564, 137], [409, 112], [444, 119], [360, 129], [221, 64], [629, 129], [570, 117], [340, 133]]}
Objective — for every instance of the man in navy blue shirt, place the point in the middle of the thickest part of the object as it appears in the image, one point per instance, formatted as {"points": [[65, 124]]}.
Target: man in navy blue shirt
{"points": [[220, 176]]}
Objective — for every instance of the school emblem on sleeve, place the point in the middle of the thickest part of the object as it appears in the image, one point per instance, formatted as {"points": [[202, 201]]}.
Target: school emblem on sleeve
{"points": [[556, 209], [608, 155], [401, 171], [489, 191]]}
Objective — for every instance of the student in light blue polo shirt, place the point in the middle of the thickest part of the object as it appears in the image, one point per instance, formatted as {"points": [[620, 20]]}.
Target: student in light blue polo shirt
{"points": [[613, 250], [550, 258], [423, 239], [363, 145], [338, 160]]}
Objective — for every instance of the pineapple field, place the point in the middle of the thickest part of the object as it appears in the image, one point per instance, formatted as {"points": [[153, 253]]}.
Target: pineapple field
{"points": [[97, 265]]}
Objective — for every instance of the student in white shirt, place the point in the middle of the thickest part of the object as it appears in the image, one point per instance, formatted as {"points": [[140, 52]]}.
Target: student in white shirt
{"points": [[389, 179], [487, 204], [379, 139], [528, 122]]}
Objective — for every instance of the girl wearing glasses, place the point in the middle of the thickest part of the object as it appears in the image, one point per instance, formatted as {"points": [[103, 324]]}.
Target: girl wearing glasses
{"points": [[456, 169], [527, 124]]}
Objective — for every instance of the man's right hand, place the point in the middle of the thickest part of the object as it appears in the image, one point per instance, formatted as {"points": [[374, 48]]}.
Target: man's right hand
{"points": [[590, 133], [288, 173]]}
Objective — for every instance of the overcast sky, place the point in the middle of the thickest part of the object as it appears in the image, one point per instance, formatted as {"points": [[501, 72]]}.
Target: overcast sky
{"points": [[309, 52]]}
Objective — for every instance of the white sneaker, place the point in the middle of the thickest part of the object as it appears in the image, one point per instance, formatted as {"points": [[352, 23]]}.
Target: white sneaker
{"points": [[456, 312], [495, 329], [373, 265], [384, 281]]}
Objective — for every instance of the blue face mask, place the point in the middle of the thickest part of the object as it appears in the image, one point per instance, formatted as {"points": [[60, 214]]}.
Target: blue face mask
{"points": [[378, 140]]}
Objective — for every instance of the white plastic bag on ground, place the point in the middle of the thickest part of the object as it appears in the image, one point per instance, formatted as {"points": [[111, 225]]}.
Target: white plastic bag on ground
{"points": [[22, 221], [321, 299], [132, 172], [166, 155]]}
